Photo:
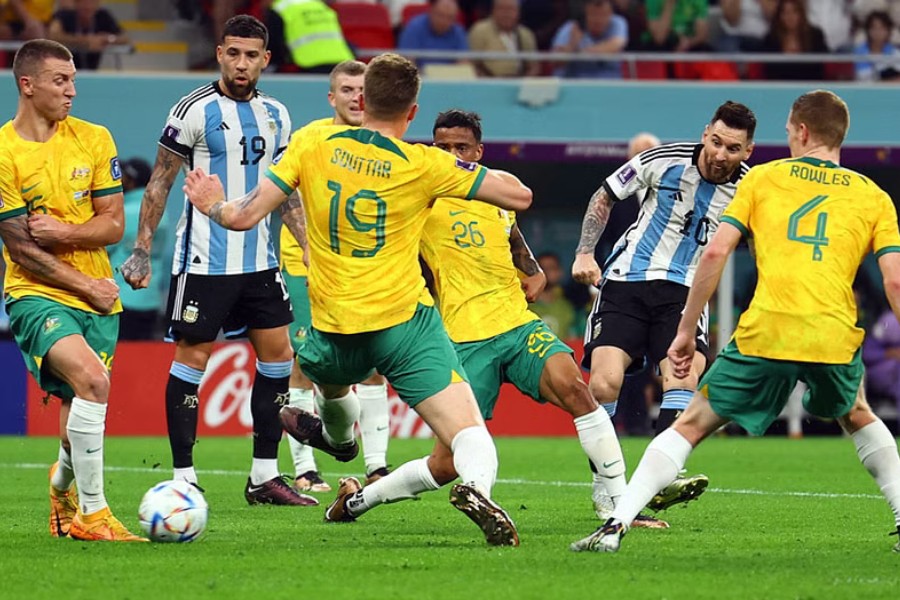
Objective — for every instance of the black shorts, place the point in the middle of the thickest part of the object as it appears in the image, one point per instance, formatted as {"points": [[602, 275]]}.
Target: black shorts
{"points": [[641, 318], [201, 305]]}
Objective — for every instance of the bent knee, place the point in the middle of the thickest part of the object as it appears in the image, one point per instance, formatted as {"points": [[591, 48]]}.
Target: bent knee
{"points": [[603, 390], [93, 385], [577, 399]]}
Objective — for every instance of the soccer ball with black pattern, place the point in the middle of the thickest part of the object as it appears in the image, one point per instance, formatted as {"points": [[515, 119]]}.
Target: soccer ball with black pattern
{"points": [[173, 511]]}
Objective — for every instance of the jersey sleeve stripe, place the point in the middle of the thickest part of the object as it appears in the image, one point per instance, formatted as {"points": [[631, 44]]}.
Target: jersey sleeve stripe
{"points": [[477, 183], [106, 192], [277, 181], [610, 192], [732, 221], [16, 212], [887, 250]]}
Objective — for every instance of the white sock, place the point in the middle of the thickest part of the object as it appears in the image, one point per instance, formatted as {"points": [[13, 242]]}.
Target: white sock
{"points": [[263, 469], [338, 415], [475, 457], [660, 465], [87, 421], [185, 474], [302, 454], [598, 440], [374, 424], [877, 451], [404, 483], [64, 476]]}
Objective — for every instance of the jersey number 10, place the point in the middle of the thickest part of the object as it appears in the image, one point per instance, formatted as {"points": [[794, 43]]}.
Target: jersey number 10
{"points": [[818, 240], [356, 223]]}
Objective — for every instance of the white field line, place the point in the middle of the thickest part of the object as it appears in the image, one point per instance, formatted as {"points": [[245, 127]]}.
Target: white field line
{"points": [[745, 492]]}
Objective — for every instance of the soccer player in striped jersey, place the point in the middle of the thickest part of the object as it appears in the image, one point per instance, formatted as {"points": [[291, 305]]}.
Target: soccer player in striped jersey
{"points": [[645, 280], [366, 194], [60, 206], [345, 90], [812, 222], [224, 280]]}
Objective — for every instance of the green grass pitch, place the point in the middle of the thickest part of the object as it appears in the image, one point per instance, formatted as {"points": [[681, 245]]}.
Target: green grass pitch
{"points": [[782, 519]]}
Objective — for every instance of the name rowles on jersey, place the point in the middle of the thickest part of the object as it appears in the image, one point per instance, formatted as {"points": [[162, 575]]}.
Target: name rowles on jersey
{"points": [[357, 164]]}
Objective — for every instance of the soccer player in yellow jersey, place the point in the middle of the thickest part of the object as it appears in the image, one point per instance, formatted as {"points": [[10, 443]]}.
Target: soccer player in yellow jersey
{"points": [[345, 90], [366, 194], [60, 206], [812, 223], [475, 252]]}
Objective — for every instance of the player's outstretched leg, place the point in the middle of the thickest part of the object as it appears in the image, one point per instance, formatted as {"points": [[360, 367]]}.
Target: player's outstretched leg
{"points": [[877, 451], [308, 429]]}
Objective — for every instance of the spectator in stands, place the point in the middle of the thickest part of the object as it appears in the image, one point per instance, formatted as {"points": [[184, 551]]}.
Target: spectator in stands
{"points": [[745, 24], [501, 32], [792, 33], [86, 29], [140, 308], [24, 19], [600, 33], [438, 29], [312, 34], [835, 19], [677, 25], [544, 18], [635, 13], [879, 27], [862, 8], [552, 305], [881, 355]]}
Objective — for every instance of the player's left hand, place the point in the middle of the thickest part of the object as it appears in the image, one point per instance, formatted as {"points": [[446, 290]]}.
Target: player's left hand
{"points": [[681, 354], [47, 231], [203, 190], [534, 285]]}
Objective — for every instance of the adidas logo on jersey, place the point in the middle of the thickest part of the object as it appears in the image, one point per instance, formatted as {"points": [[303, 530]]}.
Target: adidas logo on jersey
{"points": [[223, 126]]}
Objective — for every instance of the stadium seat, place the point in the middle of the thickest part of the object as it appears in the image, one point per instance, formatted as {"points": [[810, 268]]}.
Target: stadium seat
{"points": [[365, 25], [840, 71], [651, 70]]}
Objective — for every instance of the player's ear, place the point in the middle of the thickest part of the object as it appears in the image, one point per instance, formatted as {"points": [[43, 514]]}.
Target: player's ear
{"points": [[413, 111], [266, 58], [219, 53], [750, 148], [479, 152]]}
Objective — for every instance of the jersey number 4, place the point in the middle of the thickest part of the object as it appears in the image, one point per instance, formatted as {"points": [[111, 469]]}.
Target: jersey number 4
{"points": [[353, 218], [818, 239]]}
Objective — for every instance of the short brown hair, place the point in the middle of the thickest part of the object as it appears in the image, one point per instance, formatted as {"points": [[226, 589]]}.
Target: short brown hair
{"points": [[33, 53], [736, 116], [391, 86], [350, 68], [825, 115]]}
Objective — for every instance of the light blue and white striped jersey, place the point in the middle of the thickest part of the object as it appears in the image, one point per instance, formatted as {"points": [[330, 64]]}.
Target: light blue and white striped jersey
{"points": [[236, 140], [679, 214]]}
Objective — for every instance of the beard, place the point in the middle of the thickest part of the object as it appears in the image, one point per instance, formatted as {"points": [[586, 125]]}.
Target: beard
{"points": [[239, 90]]}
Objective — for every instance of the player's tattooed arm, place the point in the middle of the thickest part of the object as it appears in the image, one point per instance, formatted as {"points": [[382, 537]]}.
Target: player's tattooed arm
{"points": [[25, 252], [136, 270], [241, 214], [523, 259], [294, 218], [595, 219], [585, 268]]}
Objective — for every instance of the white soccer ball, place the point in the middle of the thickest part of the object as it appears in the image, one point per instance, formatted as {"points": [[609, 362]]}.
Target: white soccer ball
{"points": [[173, 511]]}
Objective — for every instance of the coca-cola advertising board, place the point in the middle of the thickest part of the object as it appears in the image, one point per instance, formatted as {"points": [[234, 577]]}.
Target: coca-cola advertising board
{"points": [[141, 370]]}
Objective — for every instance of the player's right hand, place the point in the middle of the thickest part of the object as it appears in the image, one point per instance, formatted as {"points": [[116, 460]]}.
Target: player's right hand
{"points": [[103, 295], [136, 269], [586, 270], [681, 354]]}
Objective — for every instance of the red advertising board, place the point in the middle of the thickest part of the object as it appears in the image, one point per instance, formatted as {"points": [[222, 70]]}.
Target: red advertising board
{"points": [[141, 370]]}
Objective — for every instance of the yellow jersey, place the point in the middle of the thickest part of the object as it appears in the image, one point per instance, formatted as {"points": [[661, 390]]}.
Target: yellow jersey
{"points": [[290, 251], [60, 178], [366, 197], [812, 222], [466, 246]]}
